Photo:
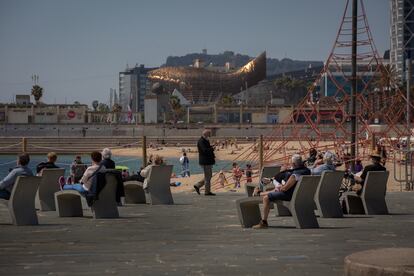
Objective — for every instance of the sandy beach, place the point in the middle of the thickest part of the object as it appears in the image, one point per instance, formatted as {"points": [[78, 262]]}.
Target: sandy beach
{"points": [[231, 153]]}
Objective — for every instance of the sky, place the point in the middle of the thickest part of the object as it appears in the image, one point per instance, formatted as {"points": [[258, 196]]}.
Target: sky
{"points": [[78, 47]]}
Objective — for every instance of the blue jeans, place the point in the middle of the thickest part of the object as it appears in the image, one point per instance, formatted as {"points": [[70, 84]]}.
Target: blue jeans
{"points": [[4, 194], [76, 187]]}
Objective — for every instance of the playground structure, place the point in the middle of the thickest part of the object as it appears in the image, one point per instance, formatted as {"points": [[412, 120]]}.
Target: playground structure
{"points": [[353, 106]]}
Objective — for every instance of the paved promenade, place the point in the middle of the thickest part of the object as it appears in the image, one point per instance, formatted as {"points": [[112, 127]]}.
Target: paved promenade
{"points": [[197, 236]]}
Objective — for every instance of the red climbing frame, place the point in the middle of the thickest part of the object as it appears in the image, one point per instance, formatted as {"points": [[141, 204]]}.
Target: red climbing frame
{"points": [[325, 115]]}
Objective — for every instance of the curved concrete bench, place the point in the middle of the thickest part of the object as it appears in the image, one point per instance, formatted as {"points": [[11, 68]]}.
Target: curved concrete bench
{"points": [[48, 187], [301, 206], [269, 171], [22, 200], [381, 262], [159, 191], [327, 195], [134, 193], [372, 199], [106, 206], [68, 203]]}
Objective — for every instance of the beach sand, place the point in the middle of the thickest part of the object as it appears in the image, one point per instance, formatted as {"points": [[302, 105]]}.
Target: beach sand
{"points": [[230, 154]]}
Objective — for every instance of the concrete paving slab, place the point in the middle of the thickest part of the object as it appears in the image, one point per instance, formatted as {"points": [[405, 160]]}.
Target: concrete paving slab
{"points": [[196, 236]]}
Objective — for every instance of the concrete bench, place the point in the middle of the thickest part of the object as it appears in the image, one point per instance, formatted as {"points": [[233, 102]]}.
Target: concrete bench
{"points": [[372, 198], [106, 206], [69, 202], [269, 171], [48, 187], [158, 190], [301, 206], [134, 192], [327, 195], [22, 200]]}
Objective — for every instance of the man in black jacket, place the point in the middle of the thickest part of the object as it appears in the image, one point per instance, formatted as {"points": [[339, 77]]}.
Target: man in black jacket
{"points": [[206, 159]]}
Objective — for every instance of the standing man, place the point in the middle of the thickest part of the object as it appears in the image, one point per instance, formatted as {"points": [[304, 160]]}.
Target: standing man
{"points": [[206, 159]]}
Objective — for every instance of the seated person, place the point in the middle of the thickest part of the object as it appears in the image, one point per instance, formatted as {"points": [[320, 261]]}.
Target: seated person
{"points": [[50, 164], [107, 162], [137, 176], [286, 191], [328, 164], [375, 166], [77, 169], [318, 161], [6, 185], [86, 180], [312, 157], [157, 161], [358, 166], [125, 174]]}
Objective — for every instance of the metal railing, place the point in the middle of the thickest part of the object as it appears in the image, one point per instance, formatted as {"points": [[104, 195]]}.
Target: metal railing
{"points": [[403, 168]]}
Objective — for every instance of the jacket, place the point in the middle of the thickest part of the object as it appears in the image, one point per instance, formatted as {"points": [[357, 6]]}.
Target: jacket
{"points": [[8, 182], [205, 152], [99, 182]]}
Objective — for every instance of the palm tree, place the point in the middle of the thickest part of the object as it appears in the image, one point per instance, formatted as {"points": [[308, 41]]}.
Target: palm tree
{"points": [[95, 105], [37, 93], [116, 108]]}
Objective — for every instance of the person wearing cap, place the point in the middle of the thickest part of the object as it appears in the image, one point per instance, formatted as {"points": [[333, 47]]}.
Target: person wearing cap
{"points": [[107, 162], [285, 192], [327, 165], [50, 164], [206, 159], [375, 166]]}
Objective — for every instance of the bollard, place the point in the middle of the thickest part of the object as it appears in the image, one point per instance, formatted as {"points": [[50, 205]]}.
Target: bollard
{"points": [[144, 151], [24, 144], [261, 152]]}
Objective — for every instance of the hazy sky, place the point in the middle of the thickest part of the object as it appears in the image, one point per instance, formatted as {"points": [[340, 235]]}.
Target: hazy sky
{"points": [[77, 47]]}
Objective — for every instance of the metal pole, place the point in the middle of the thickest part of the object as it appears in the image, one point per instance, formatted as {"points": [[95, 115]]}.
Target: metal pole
{"points": [[144, 151], [407, 159], [408, 64], [354, 81], [261, 152]]}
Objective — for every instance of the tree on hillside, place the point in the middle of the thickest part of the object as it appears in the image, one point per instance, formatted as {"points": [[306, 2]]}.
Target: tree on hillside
{"points": [[292, 89]]}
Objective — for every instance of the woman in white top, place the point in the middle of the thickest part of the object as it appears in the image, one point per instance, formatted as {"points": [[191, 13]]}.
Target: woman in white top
{"points": [[145, 172], [86, 180]]}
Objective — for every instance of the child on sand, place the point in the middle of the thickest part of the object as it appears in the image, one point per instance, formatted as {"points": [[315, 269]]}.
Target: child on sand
{"points": [[222, 179], [249, 174], [237, 175]]}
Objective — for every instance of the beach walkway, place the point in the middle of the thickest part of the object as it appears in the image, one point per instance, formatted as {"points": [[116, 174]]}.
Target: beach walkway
{"points": [[196, 236]]}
